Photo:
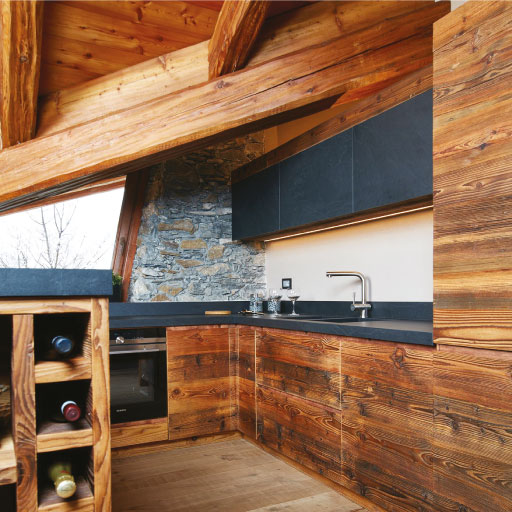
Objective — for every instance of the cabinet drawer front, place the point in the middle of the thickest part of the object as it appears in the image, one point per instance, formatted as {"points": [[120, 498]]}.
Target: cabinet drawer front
{"points": [[303, 364]]}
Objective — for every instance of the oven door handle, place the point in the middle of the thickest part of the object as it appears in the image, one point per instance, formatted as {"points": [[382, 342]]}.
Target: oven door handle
{"points": [[136, 351]]}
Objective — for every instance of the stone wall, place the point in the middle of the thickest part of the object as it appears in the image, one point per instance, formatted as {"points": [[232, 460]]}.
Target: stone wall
{"points": [[184, 247]]}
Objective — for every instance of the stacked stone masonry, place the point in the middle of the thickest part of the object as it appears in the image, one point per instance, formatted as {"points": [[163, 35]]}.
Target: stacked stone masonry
{"points": [[184, 248]]}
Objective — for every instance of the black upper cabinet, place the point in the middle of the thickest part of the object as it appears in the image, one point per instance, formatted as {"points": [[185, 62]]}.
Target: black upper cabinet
{"points": [[383, 161], [393, 155], [256, 204], [317, 184]]}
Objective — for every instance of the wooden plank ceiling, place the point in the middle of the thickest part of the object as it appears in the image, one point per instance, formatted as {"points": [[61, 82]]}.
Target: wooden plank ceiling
{"points": [[122, 83], [84, 40]]}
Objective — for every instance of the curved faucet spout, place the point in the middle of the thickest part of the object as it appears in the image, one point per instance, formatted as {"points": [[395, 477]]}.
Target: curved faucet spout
{"points": [[363, 306]]}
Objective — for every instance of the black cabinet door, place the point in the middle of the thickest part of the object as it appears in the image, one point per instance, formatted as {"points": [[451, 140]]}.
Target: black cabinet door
{"points": [[317, 184], [256, 204], [393, 155]]}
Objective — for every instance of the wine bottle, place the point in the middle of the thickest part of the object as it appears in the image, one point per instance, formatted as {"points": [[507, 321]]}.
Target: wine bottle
{"points": [[61, 476], [67, 411], [58, 347], [62, 345]]}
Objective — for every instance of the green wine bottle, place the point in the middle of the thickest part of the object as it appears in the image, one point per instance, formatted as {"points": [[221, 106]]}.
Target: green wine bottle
{"points": [[60, 474]]}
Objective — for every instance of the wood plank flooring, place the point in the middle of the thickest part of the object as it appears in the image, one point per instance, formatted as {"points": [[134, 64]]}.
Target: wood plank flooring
{"points": [[231, 476]]}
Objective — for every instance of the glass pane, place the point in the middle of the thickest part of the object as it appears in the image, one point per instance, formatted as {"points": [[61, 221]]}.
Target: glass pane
{"points": [[79, 233], [132, 379]]}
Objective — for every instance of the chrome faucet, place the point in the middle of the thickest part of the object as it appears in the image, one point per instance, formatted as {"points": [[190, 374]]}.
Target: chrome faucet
{"points": [[363, 305]]}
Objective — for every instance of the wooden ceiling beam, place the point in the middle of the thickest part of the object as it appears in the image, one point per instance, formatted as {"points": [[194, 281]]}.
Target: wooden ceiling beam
{"points": [[237, 27], [172, 72], [243, 102], [314, 24], [355, 113], [21, 25]]}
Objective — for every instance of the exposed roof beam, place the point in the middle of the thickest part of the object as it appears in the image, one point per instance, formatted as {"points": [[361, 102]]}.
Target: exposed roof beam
{"points": [[237, 27], [21, 25], [314, 24], [174, 71], [355, 113], [255, 98]]}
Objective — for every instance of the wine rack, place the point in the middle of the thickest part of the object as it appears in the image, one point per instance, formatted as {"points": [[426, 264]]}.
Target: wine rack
{"points": [[53, 435], [36, 439]]}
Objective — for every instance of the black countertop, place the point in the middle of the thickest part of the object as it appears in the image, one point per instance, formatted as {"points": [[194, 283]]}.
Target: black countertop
{"points": [[399, 330], [42, 282]]}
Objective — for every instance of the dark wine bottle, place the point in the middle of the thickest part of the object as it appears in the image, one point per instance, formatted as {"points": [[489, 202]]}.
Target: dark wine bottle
{"points": [[62, 345], [61, 476], [67, 411]]}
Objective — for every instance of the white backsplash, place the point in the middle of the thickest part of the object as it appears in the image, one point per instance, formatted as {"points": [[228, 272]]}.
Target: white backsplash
{"points": [[396, 254]]}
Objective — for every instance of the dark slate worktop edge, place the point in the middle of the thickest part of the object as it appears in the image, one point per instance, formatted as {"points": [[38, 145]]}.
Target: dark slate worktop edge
{"points": [[42, 282], [415, 311], [402, 331]]}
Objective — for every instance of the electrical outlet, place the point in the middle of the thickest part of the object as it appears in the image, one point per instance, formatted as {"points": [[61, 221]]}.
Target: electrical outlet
{"points": [[286, 283]]}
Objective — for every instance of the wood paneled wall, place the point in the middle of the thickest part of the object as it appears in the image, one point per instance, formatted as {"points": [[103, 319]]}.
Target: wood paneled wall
{"points": [[472, 443], [473, 176]]}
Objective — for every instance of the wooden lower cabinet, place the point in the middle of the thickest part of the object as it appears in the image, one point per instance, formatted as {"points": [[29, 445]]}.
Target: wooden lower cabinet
{"points": [[305, 431], [245, 357], [298, 397], [303, 364], [408, 427], [387, 422], [201, 381]]}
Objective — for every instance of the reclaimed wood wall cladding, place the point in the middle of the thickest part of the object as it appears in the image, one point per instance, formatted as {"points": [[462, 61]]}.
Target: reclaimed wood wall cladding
{"points": [[200, 381], [472, 439], [473, 176]]}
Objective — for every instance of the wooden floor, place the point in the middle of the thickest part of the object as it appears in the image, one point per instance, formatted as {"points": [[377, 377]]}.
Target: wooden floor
{"points": [[231, 476]]}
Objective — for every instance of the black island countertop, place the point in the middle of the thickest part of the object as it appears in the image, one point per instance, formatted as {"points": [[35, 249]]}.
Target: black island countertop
{"points": [[51, 282], [403, 330]]}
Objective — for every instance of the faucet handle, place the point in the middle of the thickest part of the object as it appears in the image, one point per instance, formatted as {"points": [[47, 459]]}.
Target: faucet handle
{"points": [[353, 305]]}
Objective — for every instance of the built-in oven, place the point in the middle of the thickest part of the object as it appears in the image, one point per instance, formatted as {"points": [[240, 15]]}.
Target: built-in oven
{"points": [[138, 374]]}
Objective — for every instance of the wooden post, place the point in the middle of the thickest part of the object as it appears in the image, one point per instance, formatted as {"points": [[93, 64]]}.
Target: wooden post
{"points": [[100, 384], [24, 411]]}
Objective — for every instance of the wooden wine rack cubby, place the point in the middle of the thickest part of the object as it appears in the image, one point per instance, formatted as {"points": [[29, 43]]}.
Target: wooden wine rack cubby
{"points": [[38, 438]]}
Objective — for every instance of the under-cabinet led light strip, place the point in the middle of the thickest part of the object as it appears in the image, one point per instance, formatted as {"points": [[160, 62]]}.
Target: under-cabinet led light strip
{"points": [[362, 221]]}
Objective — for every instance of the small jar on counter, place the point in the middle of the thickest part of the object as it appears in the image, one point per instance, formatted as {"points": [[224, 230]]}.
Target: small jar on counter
{"points": [[253, 303], [274, 302], [259, 302]]}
